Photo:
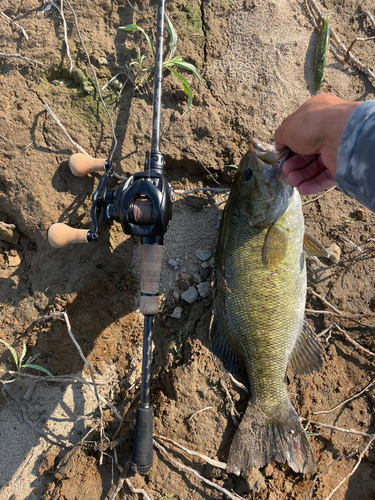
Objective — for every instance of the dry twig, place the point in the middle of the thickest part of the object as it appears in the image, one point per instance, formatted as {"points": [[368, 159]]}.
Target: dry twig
{"points": [[180, 466], [354, 468], [17, 56], [233, 412], [114, 139], [64, 316], [196, 413], [16, 24], [66, 36], [346, 400], [310, 290], [353, 341], [340, 46], [325, 470], [139, 491], [317, 197], [215, 463], [57, 121]]}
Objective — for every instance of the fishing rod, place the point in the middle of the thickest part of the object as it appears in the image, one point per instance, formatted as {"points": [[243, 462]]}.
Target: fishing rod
{"points": [[143, 206]]}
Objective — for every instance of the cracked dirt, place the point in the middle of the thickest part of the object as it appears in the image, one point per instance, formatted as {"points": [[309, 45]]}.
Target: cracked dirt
{"points": [[257, 61]]}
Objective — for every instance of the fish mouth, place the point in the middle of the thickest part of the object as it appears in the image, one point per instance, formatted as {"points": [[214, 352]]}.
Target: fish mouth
{"points": [[269, 155]]}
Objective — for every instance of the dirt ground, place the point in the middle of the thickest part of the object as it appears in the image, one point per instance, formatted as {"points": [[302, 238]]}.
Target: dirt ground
{"points": [[257, 61]]}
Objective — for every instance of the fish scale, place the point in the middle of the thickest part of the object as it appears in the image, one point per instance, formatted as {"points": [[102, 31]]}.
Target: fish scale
{"points": [[259, 310]]}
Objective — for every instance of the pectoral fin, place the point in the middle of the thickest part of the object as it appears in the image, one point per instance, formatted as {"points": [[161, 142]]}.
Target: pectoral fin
{"points": [[275, 246], [307, 353], [313, 248]]}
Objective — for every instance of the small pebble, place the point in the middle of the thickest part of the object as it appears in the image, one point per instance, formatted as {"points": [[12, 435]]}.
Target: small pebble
{"points": [[103, 61], [185, 276], [334, 253], [176, 296], [177, 313], [205, 264], [190, 295], [203, 254], [172, 264], [204, 289], [197, 278], [9, 233]]}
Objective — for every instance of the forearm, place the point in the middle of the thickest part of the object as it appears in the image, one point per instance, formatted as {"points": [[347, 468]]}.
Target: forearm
{"points": [[355, 175]]}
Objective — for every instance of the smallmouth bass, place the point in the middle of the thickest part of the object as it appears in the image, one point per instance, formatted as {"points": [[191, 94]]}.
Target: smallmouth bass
{"points": [[259, 309]]}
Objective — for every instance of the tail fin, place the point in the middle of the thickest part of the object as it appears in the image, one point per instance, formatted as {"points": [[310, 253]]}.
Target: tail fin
{"points": [[261, 439]]}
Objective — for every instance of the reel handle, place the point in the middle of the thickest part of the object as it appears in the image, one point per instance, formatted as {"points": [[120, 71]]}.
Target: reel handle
{"points": [[81, 164], [60, 235]]}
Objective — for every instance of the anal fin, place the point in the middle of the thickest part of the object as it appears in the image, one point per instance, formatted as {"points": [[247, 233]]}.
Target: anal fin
{"points": [[307, 353]]}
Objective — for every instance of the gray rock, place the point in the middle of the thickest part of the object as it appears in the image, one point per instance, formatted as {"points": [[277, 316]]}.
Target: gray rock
{"points": [[190, 295], [197, 278], [177, 313], [203, 254], [176, 296], [204, 289], [173, 264]]}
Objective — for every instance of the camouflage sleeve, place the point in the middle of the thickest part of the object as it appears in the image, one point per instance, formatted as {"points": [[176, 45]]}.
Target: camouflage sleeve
{"points": [[355, 174]]}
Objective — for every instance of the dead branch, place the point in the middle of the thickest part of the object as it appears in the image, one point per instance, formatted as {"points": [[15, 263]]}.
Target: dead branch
{"points": [[353, 43], [233, 412], [328, 329], [196, 413], [310, 290], [64, 316], [17, 56], [354, 468], [57, 121], [325, 470], [340, 46], [353, 341], [180, 466], [317, 197], [66, 36], [124, 470], [344, 316], [346, 400], [215, 463], [346, 431], [138, 491], [16, 24], [114, 139]]}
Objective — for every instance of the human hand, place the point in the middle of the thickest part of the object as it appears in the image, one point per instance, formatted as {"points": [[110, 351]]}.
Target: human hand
{"points": [[314, 132]]}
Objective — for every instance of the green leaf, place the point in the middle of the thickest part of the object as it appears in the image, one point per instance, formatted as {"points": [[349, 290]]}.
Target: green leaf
{"points": [[177, 61], [30, 360], [133, 27], [12, 350], [40, 368], [185, 86], [172, 35]]}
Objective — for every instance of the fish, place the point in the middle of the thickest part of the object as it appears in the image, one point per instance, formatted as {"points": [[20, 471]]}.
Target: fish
{"points": [[258, 325]]}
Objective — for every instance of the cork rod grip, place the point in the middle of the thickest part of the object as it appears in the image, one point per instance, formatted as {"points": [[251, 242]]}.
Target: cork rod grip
{"points": [[151, 258], [81, 164], [61, 235]]}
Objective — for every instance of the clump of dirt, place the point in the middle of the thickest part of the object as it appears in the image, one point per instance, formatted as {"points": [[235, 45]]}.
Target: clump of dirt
{"points": [[257, 61]]}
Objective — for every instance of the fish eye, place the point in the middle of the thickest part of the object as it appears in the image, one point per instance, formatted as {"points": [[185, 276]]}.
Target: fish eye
{"points": [[247, 174]]}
